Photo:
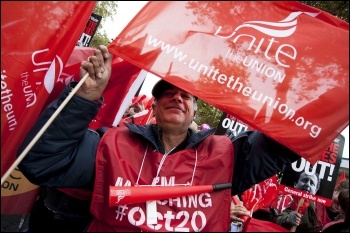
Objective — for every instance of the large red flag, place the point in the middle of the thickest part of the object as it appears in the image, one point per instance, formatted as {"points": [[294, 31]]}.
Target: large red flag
{"points": [[37, 39], [288, 58]]}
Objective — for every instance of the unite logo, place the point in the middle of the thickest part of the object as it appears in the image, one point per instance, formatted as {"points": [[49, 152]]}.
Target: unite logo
{"points": [[280, 29], [53, 68], [117, 194]]}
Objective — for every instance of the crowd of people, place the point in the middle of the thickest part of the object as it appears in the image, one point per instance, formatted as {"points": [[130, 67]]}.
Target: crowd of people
{"points": [[135, 107], [75, 166], [315, 217]]}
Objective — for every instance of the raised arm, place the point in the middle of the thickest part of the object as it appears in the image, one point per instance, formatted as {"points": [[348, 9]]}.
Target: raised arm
{"points": [[64, 156]]}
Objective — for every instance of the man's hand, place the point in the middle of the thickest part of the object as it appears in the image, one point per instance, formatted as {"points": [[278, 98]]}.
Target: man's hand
{"points": [[237, 211], [294, 218], [99, 67]]}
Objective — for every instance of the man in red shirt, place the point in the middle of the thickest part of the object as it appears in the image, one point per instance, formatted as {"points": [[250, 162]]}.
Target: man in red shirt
{"points": [[168, 153]]}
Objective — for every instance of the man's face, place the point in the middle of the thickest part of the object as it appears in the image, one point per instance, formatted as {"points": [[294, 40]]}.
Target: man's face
{"points": [[132, 111], [174, 108], [307, 183], [335, 203], [127, 112]]}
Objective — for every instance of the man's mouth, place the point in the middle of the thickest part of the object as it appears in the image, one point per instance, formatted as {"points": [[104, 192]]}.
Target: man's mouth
{"points": [[174, 107]]}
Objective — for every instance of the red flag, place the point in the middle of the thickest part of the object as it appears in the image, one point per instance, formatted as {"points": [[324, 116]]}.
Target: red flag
{"points": [[37, 39], [251, 224], [287, 58], [261, 195]]}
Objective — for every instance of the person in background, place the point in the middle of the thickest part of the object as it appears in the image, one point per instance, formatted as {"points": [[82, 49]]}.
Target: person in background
{"points": [[236, 213], [167, 153], [342, 224], [291, 217], [135, 107], [128, 116], [333, 212], [60, 210], [308, 183], [316, 214], [132, 110]]}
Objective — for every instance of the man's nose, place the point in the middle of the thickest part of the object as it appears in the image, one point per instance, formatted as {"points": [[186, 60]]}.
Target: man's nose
{"points": [[308, 182], [177, 96]]}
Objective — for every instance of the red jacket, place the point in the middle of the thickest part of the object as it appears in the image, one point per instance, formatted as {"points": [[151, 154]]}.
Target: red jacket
{"points": [[65, 156], [120, 165]]}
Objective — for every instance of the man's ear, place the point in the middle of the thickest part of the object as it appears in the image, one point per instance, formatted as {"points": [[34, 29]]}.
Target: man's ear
{"points": [[154, 108], [194, 115]]}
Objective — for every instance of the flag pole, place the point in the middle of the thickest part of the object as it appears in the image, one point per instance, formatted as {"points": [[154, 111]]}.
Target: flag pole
{"points": [[49, 121]]}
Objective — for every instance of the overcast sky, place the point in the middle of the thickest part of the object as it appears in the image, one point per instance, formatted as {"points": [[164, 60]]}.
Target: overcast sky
{"points": [[126, 11]]}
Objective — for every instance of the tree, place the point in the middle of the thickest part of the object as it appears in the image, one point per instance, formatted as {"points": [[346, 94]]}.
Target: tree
{"points": [[207, 114], [339, 9], [106, 9]]}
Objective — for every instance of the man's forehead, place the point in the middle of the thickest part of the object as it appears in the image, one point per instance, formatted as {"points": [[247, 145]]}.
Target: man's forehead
{"points": [[312, 176], [174, 88], [177, 89], [161, 86]]}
